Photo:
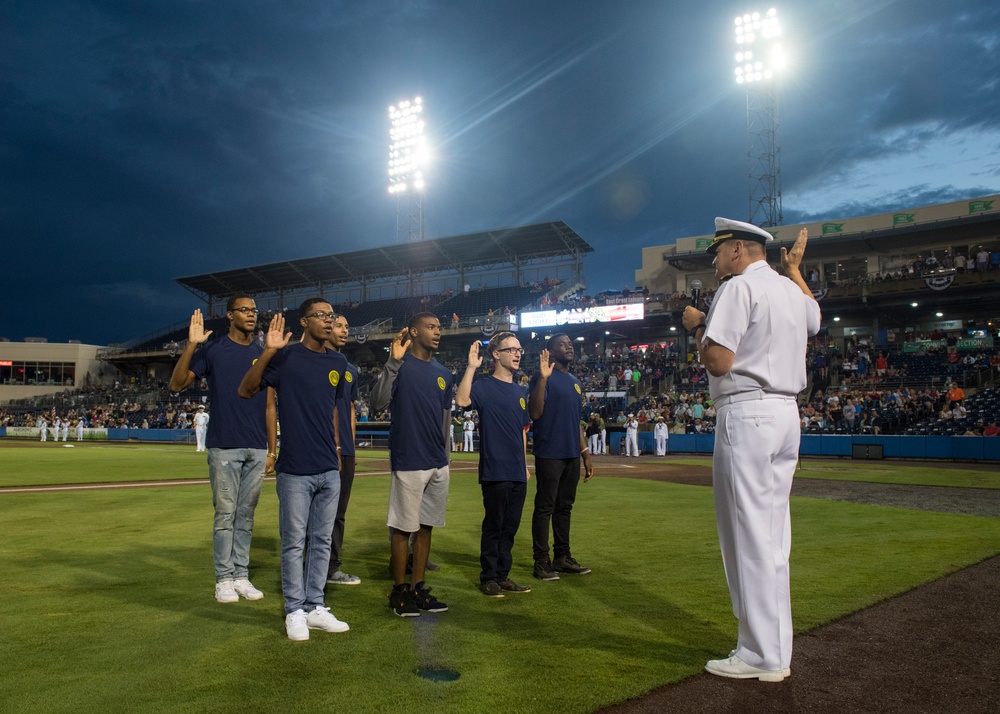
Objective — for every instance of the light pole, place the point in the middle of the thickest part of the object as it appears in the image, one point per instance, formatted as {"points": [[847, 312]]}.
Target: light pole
{"points": [[759, 59], [407, 160]]}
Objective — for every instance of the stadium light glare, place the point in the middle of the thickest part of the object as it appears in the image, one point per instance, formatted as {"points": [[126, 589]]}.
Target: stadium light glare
{"points": [[408, 150], [757, 44]]}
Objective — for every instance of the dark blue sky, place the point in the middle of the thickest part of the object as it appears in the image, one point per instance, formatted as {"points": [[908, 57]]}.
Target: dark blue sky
{"points": [[141, 142]]}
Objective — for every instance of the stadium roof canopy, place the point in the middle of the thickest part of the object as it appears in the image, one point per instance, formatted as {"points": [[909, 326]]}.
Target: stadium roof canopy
{"points": [[509, 246]]}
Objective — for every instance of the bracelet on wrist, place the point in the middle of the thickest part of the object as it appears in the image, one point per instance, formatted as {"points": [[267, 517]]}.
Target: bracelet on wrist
{"points": [[272, 454]]}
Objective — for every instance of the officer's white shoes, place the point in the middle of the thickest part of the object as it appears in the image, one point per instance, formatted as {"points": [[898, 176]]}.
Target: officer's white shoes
{"points": [[736, 668]]}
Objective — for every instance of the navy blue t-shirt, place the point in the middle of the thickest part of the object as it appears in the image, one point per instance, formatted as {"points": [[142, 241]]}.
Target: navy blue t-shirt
{"points": [[556, 433], [421, 394], [236, 423], [308, 385], [345, 407], [503, 414]]}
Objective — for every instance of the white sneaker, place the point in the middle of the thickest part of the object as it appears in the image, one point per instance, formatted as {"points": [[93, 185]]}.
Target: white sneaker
{"points": [[296, 626], [244, 588], [322, 619], [736, 668], [342, 578], [224, 591]]}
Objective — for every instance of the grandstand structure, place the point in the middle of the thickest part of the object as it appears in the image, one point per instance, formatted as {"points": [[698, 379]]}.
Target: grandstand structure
{"points": [[470, 275], [865, 274]]}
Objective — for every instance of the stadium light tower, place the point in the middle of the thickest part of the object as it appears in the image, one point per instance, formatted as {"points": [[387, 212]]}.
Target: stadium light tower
{"points": [[760, 58], [407, 161]]}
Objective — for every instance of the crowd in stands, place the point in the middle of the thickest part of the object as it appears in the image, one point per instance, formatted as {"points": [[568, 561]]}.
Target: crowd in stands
{"points": [[858, 391], [975, 259]]}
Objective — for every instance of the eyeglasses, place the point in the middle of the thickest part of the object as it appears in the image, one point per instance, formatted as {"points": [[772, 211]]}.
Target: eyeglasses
{"points": [[246, 310], [513, 350], [323, 315]]}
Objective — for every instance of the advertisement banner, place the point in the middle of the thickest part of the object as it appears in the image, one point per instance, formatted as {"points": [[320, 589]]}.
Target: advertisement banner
{"points": [[33, 432], [975, 343], [583, 316], [923, 346]]}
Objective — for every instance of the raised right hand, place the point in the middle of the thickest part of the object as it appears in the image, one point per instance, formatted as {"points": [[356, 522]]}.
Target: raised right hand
{"points": [[276, 337], [475, 359], [196, 330], [544, 365], [397, 350]]}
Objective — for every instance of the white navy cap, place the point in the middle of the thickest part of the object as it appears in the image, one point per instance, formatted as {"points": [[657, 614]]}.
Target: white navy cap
{"points": [[726, 229]]}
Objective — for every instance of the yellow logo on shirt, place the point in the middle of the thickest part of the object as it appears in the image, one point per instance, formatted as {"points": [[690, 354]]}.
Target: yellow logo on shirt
{"points": [[441, 384], [348, 376], [334, 377], [577, 388], [253, 363], [523, 406]]}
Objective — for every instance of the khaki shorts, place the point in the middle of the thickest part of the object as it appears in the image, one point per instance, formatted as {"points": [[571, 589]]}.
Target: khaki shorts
{"points": [[418, 498]]}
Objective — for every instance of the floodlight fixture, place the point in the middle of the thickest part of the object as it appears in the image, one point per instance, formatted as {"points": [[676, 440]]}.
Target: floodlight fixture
{"points": [[408, 152], [408, 158], [760, 53]]}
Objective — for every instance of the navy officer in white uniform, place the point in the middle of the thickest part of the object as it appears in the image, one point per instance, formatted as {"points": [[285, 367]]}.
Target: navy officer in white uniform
{"points": [[753, 344]]}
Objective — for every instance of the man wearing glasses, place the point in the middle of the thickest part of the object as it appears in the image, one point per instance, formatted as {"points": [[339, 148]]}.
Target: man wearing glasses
{"points": [[309, 380], [503, 471], [241, 440]]}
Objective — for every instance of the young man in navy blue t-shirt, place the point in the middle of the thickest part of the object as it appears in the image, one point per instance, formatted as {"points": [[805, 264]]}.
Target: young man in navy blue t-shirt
{"points": [[502, 404], [346, 424], [242, 438], [417, 388], [555, 407], [309, 379]]}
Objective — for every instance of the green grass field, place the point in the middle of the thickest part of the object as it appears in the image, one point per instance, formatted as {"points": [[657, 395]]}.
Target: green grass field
{"points": [[108, 604]]}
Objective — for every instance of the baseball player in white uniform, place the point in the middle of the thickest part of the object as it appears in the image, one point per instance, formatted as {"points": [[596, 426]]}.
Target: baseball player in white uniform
{"points": [[43, 428], [631, 436], [201, 427], [65, 430], [79, 429], [468, 430], [753, 344], [660, 436]]}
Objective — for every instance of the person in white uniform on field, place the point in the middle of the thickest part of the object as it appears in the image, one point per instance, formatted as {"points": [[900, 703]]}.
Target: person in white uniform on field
{"points": [[43, 428], [201, 427], [79, 429], [468, 431], [753, 344], [65, 430], [632, 436], [660, 436]]}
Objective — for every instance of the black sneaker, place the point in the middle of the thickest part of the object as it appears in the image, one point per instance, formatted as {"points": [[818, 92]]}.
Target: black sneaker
{"points": [[567, 564], [544, 571], [402, 603], [510, 586], [491, 588], [425, 601]]}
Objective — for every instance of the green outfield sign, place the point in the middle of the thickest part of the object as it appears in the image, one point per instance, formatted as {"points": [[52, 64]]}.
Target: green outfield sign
{"points": [[829, 228], [980, 206], [899, 219]]}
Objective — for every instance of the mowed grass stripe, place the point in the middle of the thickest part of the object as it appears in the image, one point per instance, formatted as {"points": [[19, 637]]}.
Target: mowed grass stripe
{"points": [[109, 601]]}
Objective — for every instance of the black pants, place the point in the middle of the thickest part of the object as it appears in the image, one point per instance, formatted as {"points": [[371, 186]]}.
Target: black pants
{"points": [[346, 481], [503, 502], [555, 492]]}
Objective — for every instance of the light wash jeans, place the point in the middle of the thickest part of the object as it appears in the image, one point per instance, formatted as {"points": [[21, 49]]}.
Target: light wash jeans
{"points": [[307, 510], [236, 476]]}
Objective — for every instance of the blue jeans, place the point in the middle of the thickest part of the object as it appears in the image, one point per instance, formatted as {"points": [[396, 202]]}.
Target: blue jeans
{"points": [[236, 476], [307, 510]]}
